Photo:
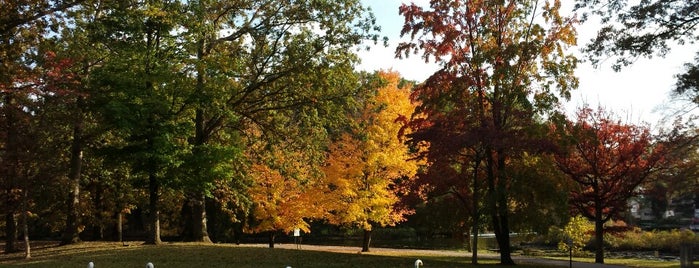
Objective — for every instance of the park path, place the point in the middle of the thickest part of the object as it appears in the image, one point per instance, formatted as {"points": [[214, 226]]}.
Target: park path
{"points": [[455, 253]]}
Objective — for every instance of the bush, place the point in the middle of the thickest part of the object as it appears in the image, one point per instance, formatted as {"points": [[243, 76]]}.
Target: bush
{"points": [[666, 241], [577, 233]]}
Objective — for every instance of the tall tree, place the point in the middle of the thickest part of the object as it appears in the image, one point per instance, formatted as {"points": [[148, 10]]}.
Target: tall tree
{"points": [[501, 64], [142, 93], [252, 59], [608, 160], [23, 27], [367, 169]]}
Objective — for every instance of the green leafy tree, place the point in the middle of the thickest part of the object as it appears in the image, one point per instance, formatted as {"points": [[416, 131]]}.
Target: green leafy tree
{"points": [[142, 94], [254, 59], [501, 64]]}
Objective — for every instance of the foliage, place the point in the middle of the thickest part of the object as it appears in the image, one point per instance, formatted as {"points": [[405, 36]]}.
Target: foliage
{"points": [[501, 65], [367, 169], [285, 194], [638, 240], [608, 160], [576, 234]]}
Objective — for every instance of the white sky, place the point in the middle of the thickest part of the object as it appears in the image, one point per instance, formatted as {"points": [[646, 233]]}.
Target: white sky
{"points": [[637, 93]]}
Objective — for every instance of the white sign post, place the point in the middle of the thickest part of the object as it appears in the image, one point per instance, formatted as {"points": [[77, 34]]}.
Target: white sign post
{"points": [[297, 237]]}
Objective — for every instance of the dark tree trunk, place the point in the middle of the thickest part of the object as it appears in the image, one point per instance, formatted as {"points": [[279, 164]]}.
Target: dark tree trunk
{"points": [[11, 164], [71, 233], [199, 219], [25, 223], [154, 212], [366, 242], [98, 228], [497, 198], [475, 213], [195, 219], [272, 235], [599, 229], [10, 232]]}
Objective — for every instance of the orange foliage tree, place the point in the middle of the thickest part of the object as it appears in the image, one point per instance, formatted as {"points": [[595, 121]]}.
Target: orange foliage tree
{"points": [[367, 168], [608, 160], [284, 192]]}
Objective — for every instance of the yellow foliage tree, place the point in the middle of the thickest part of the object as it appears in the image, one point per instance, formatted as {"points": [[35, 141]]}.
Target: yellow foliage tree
{"points": [[366, 169]]}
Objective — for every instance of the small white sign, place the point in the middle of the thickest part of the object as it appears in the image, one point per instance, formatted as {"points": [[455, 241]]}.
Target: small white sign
{"points": [[297, 232]]}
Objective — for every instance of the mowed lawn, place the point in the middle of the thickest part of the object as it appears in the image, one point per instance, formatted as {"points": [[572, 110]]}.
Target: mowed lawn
{"points": [[176, 255]]}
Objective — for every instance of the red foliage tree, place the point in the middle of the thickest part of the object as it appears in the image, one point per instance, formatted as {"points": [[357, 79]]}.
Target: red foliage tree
{"points": [[500, 66], [608, 160]]}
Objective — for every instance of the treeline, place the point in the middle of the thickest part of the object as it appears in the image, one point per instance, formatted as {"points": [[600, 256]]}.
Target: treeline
{"points": [[203, 119]]}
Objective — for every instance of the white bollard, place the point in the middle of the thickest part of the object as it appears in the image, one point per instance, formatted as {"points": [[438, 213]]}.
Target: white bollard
{"points": [[418, 263], [90, 265], [149, 265]]}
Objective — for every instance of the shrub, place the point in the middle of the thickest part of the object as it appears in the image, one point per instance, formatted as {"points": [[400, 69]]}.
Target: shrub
{"points": [[576, 234], [667, 241]]}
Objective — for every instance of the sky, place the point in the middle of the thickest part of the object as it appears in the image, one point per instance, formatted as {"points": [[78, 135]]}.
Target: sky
{"points": [[637, 94]]}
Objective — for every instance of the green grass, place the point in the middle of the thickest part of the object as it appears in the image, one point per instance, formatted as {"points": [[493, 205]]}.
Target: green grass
{"points": [[627, 262], [175, 255]]}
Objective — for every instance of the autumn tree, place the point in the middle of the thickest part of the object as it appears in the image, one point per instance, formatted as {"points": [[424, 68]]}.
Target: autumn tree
{"points": [[24, 25], [284, 195], [501, 64], [367, 167], [253, 59], [608, 160]]}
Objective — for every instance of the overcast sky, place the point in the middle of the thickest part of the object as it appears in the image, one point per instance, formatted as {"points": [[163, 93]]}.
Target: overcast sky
{"points": [[637, 93]]}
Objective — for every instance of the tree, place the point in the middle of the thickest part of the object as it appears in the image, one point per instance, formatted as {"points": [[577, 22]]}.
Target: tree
{"points": [[283, 200], [24, 81], [254, 59], [608, 160], [367, 168], [500, 66], [142, 95], [645, 29]]}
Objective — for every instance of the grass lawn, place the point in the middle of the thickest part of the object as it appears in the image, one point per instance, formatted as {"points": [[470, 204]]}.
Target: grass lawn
{"points": [[175, 255], [629, 262]]}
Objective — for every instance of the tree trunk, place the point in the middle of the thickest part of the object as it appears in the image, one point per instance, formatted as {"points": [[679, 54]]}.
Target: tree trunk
{"points": [[366, 241], [272, 235], [25, 223], [154, 215], [504, 237], [10, 232], [98, 227], [199, 219], [599, 228], [120, 226], [11, 163], [497, 198], [476, 213], [71, 232]]}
